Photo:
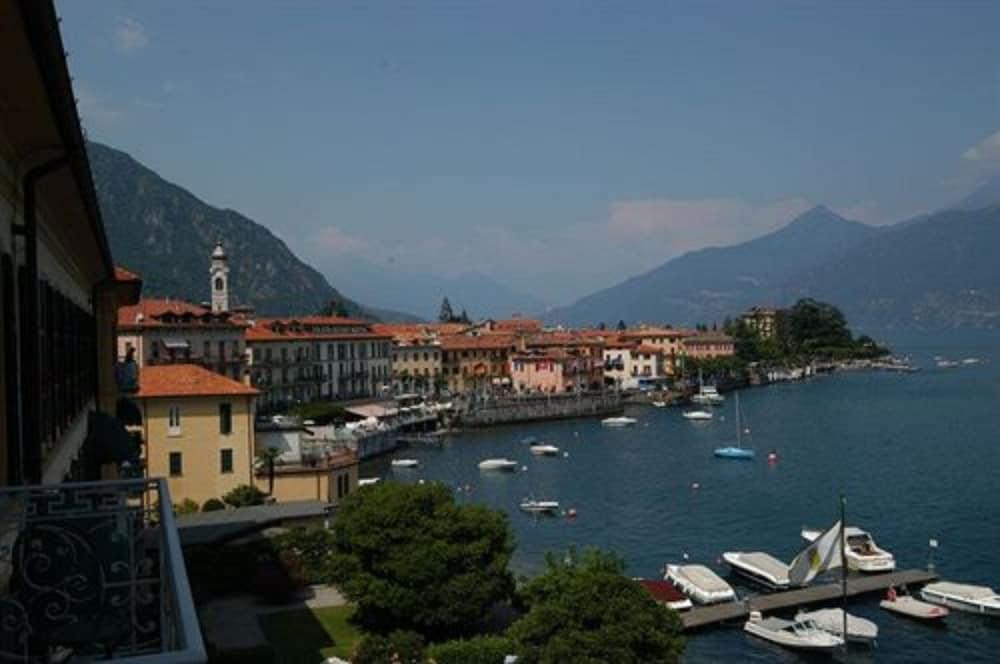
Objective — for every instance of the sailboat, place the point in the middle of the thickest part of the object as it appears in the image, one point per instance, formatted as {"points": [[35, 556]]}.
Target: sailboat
{"points": [[737, 451]]}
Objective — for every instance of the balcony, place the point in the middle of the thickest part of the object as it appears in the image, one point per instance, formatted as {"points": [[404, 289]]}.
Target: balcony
{"points": [[94, 570]]}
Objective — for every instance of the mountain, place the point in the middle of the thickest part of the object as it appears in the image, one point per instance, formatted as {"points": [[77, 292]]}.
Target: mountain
{"points": [[987, 194], [936, 272], [384, 286], [166, 234], [709, 284]]}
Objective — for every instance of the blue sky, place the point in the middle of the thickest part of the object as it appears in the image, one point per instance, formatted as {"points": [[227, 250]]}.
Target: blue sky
{"points": [[556, 146]]}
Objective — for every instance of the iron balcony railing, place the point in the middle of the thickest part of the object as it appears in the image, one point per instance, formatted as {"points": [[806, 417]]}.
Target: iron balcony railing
{"points": [[93, 571]]}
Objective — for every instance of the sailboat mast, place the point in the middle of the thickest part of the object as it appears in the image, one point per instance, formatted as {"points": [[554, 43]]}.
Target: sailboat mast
{"points": [[843, 564], [739, 428]]}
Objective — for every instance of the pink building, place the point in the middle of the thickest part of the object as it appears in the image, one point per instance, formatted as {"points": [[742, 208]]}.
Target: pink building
{"points": [[709, 345], [550, 371]]}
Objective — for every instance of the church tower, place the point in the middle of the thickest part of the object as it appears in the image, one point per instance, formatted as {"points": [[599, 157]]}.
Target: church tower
{"points": [[220, 279]]}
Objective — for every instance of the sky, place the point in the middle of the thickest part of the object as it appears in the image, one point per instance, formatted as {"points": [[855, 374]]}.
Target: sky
{"points": [[558, 147]]}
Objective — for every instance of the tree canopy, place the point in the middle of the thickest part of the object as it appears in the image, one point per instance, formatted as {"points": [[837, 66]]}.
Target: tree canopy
{"points": [[411, 558], [588, 611], [446, 314]]}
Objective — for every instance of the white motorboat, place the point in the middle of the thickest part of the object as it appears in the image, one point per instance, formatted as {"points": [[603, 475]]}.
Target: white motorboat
{"points": [[697, 414], [659, 404], [911, 607], [859, 630], [963, 597], [621, 421], [544, 450], [368, 481], [971, 360], [863, 555], [707, 395], [797, 634], [759, 567], [700, 584], [540, 506], [405, 463], [498, 464], [947, 364]]}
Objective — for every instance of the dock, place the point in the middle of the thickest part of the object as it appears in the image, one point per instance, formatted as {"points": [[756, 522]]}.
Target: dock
{"points": [[705, 616]]}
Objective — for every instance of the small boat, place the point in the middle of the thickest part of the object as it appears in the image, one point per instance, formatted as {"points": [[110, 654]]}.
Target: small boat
{"points": [[796, 634], [405, 463], [700, 584], [963, 597], [368, 481], [498, 464], [971, 360], [544, 450], [759, 567], [947, 364], [664, 592], [863, 555], [621, 421], [540, 506], [911, 607], [706, 394], [659, 404], [859, 630], [736, 451], [697, 414]]}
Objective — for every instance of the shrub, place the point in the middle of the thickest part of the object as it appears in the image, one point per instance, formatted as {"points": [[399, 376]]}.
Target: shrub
{"points": [[187, 506], [314, 549], [245, 495], [400, 647], [479, 650], [213, 505]]}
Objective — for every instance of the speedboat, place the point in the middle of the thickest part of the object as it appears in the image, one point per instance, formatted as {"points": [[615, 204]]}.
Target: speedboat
{"points": [[405, 463], [911, 607], [497, 464], [621, 421], [664, 592], [971, 360], [700, 584], [947, 364], [697, 414], [862, 553], [368, 481], [659, 404], [544, 450], [540, 506], [859, 630], [759, 567], [797, 634], [708, 395], [963, 597]]}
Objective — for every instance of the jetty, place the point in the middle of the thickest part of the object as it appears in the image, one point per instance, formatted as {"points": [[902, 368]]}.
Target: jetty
{"points": [[705, 616]]}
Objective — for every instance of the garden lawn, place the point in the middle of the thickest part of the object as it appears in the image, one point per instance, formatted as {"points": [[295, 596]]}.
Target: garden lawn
{"points": [[310, 635]]}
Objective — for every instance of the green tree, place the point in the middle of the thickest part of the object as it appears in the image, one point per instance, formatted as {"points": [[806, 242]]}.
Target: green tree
{"points": [[187, 506], [489, 649], [410, 558], [313, 547], [213, 505], [446, 315], [621, 327], [244, 495], [267, 457], [588, 611], [400, 647]]}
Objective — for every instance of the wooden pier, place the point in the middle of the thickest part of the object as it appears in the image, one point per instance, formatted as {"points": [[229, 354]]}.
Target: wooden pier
{"points": [[704, 616]]}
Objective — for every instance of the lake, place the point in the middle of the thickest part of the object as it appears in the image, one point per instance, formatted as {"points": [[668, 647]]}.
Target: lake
{"points": [[917, 455]]}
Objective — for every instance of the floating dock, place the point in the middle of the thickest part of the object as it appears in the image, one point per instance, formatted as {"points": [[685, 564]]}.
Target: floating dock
{"points": [[705, 616]]}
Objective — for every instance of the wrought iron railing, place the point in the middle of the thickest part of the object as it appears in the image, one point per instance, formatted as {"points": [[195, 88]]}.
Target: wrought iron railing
{"points": [[94, 570]]}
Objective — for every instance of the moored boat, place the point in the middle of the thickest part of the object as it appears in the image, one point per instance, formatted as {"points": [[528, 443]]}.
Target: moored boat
{"points": [[911, 607], [963, 597], [544, 450], [697, 414], [620, 421], [540, 506], [659, 404], [405, 463], [368, 481], [736, 451], [759, 567], [795, 634], [497, 464], [700, 584], [863, 555], [859, 630]]}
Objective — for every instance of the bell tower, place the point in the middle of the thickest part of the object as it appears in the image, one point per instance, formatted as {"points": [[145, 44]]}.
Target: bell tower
{"points": [[220, 279]]}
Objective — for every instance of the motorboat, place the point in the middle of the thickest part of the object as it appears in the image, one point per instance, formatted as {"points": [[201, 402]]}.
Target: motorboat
{"points": [[621, 421], [760, 567], [947, 364], [498, 464], [862, 553], [405, 463], [368, 481], [796, 634], [664, 592], [859, 630], [540, 506], [544, 450], [700, 584], [697, 414], [659, 404], [963, 597], [911, 607], [971, 361], [736, 451]]}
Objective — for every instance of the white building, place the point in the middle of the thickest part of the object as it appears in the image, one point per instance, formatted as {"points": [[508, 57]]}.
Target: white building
{"points": [[629, 366]]}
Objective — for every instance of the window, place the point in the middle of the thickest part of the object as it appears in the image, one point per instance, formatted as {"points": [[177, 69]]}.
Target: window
{"points": [[176, 464], [208, 349], [222, 350], [225, 461], [225, 418], [219, 285], [174, 421]]}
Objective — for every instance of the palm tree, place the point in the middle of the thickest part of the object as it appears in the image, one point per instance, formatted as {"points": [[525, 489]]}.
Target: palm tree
{"points": [[267, 457]]}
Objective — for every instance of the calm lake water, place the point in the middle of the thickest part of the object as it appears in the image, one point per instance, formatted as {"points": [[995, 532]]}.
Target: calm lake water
{"points": [[917, 455]]}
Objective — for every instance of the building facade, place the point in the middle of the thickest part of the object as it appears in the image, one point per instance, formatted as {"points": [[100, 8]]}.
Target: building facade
{"points": [[551, 371], [762, 320], [669, 341], [629, 366], [709, 345], [476, 364]]}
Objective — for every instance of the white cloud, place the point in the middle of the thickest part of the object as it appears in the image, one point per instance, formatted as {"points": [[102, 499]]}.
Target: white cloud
{"points": [[129, 34], [94, 110], [985, 152], [336, 241]]}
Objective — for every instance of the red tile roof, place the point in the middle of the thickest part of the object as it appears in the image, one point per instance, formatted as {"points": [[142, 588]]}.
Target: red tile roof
{"points": [[651, 331], [518, 325], [263, 330], [187, 380], [148, 311], [466, 342]]}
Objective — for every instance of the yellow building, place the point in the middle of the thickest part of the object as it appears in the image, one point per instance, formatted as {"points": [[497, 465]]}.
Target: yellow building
{"points": [[198, 430], [328, 478]]}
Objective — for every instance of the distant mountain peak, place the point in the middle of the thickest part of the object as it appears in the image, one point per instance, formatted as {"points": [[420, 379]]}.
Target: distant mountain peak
{"points": [[818, 214]]}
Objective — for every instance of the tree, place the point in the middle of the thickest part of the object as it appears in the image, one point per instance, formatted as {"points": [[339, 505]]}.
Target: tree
{"points": [[213, 505], [489, 649], [601, 326], [446, 315], [587, 610], [621, 327], [186, 506], [400, 647], [410, 558], [267, 457], [464, 317], [244, 495]]}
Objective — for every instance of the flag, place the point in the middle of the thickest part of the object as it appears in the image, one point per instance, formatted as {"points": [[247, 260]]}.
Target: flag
{"points": [[822, 554]]}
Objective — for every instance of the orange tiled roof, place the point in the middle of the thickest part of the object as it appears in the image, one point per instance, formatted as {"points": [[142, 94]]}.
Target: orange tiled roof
{"points": [[518, 325], [709, 338], [123, 274], [263, 330], [187, 380], [466, 342], [657, 332], [148, 311]]}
